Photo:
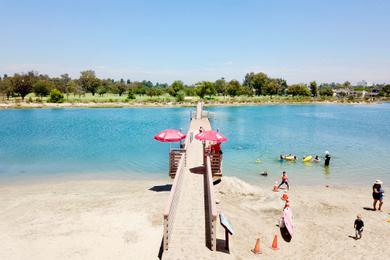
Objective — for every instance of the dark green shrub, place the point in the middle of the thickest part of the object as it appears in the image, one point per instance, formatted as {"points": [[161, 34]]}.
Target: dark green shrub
{"points": [[130, 95], [56, 96]]}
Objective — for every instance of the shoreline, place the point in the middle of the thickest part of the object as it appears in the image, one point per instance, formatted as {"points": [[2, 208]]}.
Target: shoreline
{"points": [[63, 179], [35, 105]]}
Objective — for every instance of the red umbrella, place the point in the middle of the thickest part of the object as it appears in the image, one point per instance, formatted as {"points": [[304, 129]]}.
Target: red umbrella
{"points": [[211, 136], [170, 135]]}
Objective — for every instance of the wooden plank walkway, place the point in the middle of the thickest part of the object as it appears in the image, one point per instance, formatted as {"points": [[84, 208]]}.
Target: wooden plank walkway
{"points": [[188, 237]]}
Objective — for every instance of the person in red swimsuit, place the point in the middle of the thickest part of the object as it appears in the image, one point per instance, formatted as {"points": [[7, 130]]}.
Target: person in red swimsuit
{"points": [[284, 180], [216, 148]]}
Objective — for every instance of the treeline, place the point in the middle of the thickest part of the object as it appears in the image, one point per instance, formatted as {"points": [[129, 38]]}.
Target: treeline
{"points": [[20, 85]]}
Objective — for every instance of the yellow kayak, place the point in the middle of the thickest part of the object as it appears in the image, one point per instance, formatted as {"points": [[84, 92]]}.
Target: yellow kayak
{"points": [[307, 158], [289, 158]]}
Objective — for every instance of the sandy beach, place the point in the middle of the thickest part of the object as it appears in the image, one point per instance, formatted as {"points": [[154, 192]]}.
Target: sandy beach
{"points": [[122, 219]]}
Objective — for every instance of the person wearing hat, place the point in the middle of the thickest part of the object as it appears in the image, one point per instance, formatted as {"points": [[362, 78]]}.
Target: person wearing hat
{"points": [[378, 194], [327, 158]]}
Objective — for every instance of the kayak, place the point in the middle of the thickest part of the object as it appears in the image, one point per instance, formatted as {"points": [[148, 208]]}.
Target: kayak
{"points": [[287, 217], [289, 158], [307, 158]]}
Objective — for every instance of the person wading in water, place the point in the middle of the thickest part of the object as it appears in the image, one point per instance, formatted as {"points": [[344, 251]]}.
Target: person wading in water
{"points": [[327, 158]]}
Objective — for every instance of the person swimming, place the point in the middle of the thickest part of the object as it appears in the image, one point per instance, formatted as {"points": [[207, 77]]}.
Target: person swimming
{"points": [[288, 157], [317, 158]]}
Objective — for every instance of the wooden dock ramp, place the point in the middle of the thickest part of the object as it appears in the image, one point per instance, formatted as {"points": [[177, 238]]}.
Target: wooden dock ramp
{"points": [[190, 217]]}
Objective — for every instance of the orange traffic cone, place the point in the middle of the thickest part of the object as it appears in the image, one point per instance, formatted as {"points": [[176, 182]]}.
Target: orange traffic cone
{"points": [[275, 243], [287, 204], [257, 250], [276, 186], [284, 196]]}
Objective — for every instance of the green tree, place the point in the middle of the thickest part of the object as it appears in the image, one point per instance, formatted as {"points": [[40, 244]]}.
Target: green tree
{"points": [[347, 84], [88, 81], [147, 84], [6, 87], [23, 83], [175, 87], [63, 82], [220, 86], [138, 88], [121, 88], [233, 88], [256, 81], [56, 96], [180, 96], [205, 88], [190, 91], [42, 87], [101, 90], [385, 91], [273, 87], [298, 90], [326, 91], [151, 92], [245, 91], [313, 88], [71, 87]]}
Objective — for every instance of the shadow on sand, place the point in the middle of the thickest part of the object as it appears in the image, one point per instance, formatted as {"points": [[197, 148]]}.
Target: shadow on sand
{"points": [[367, 208], [221, 246], [160, 188], [198, 170], [216, 182], [161, 250]]}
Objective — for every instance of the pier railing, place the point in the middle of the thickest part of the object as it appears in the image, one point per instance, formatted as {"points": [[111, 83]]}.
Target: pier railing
{"points": [[216, 164], [175, 156], [170, 209], [211, 207]]}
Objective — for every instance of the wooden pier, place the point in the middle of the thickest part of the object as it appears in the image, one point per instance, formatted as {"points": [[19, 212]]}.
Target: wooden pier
{"points": [[190, 216]]}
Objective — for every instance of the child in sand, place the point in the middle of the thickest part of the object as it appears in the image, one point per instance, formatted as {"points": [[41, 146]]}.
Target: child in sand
{"points": [[284, 180], [358, 225]]}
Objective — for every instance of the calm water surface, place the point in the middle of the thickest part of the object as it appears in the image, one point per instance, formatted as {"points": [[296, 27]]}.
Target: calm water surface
{"points": [[39, 143]]}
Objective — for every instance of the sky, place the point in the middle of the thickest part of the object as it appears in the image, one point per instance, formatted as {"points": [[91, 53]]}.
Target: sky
{"points": [[162, 41]]}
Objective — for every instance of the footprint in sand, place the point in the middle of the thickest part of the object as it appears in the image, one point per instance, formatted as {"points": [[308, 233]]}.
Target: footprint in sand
{"points": [[130, 237]]}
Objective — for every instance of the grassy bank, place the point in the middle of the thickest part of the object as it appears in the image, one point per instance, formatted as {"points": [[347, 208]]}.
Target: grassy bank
{"points": [[113, 100]]}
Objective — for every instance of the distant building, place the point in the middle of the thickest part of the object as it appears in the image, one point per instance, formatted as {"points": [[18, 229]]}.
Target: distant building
{"points": [[344, 92], [364, 84]]}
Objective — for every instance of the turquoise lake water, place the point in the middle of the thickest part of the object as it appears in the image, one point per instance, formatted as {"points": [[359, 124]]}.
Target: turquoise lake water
{"points": [[40, 143]]}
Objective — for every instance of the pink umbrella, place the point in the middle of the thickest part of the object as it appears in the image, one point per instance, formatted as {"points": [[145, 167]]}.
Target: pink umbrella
{"points": [[211, 136], [170, 135]]}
